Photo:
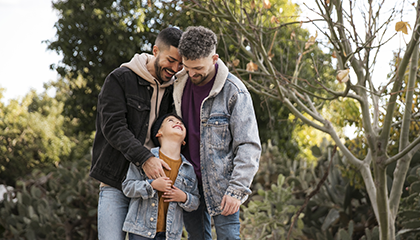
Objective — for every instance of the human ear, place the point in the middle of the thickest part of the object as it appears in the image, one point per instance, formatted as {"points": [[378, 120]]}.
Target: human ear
{"points": [[183, 143], [155, 50], [215, 57]]}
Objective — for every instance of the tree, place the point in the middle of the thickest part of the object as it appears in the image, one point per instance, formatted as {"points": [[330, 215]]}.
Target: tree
{"points": [[305, 96], [96, 37], [31, 135]]}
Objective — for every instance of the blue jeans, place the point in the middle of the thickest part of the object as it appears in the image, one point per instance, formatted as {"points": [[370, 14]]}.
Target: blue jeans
{"points": [[112, 208], [198, 223], [159, 236]]}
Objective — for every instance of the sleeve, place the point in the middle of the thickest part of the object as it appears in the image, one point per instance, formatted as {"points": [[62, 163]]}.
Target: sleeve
{"points": [[246, 145], [135, 185], [112, 111], [193, 197]]}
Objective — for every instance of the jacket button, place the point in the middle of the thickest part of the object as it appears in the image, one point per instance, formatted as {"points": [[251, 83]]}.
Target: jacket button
{"points": [[151, 219], [153, 204], [149, 233], [138, 106], [137, 164], [217, 123]]}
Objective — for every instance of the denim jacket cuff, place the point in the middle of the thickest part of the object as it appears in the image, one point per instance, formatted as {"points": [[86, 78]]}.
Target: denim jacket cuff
{"points": [[150, 191], [241, 195], [186, 203]]}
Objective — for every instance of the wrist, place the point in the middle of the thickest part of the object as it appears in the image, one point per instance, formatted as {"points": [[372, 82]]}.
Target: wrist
{"points": [[185, 197]]}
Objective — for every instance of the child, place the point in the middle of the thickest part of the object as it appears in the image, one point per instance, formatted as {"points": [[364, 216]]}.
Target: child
{"points": [[155, 210]]}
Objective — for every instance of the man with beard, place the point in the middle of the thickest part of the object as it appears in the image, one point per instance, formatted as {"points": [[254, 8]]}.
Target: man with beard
{"points": [[223, 143], [131, 98]]}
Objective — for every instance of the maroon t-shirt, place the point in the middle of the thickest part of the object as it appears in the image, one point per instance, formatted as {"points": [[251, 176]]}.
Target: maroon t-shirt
{"points": [[192, 98]]}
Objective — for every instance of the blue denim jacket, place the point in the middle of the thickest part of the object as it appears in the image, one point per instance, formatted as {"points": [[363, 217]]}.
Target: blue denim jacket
{"points": [[230, 145], [142, 213]]}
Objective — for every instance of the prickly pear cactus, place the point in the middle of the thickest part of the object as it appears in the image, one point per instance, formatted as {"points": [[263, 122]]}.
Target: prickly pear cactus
{"points": [[58, 205]]}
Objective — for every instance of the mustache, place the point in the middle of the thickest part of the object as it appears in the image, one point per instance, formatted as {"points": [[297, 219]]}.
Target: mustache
{"points": [[170, 70], [195, 75]]}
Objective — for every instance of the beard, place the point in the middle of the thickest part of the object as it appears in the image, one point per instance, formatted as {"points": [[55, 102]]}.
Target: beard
{"points": [[159, 71], [198, 78]]}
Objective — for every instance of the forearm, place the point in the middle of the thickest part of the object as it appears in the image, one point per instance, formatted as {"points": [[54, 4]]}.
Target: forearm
{"points": [[135, 185]]}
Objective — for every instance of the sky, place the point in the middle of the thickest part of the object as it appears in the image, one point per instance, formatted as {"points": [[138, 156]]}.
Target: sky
{"points": [[24, 59]]}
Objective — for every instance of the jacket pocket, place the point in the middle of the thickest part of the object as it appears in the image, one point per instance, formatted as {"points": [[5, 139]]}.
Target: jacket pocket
{"points": [[187, 183], [219, 133], [138, 104], [138, 111]]}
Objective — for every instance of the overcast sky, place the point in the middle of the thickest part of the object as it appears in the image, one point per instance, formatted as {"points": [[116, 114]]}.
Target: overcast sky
{"points": [[24, 59]]}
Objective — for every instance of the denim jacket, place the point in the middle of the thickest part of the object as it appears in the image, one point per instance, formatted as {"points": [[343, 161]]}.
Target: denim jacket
{"points": [[230, 146], [142, 213]]}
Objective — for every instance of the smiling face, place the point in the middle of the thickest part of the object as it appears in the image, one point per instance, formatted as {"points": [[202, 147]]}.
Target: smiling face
{"points": [[172, 127], [201, 70], [167, 63]]}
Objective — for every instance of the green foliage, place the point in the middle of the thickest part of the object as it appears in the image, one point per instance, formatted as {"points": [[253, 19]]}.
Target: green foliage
{"points": [[55, 203], [270, 218], [338, 209], [329, 212], [96, 37], [408, 216], [31, 135]]}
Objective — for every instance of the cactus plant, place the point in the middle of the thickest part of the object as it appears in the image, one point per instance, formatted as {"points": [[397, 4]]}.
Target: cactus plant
{"points": [[57, 205]]}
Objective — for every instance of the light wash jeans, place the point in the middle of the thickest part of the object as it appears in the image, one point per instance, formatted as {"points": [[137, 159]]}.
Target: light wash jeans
{"points": [[198, 223], [112, 209]]}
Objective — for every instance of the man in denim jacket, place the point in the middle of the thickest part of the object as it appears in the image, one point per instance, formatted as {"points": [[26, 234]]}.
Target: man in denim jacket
{"points": [[223, 142]]}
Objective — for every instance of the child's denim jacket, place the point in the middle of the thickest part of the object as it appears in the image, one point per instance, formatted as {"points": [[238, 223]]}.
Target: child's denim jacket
{"points": [[142, 213]]}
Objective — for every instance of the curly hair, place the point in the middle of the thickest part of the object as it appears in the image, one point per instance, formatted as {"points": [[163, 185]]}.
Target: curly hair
{"points": [[197, 42]]}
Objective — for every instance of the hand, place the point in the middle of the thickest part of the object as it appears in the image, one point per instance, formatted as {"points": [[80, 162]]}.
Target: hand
{"points": [[162, 184], [153, 168], [230, 205], [175, 195]]}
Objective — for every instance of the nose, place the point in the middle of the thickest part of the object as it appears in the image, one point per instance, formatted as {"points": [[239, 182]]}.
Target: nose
{"points": [[176, 67], [178, 122], [191, 73]]}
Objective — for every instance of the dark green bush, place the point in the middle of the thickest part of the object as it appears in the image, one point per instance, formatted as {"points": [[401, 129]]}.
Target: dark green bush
{"points": [[56, 203]]}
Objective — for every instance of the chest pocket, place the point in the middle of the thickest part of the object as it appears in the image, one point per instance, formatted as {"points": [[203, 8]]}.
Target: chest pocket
{"points": [[138, 104], [219, 133], [138, 111], [187, 182]]}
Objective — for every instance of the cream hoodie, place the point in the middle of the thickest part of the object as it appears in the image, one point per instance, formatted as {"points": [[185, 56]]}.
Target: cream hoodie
{"points": [[138, 65]]}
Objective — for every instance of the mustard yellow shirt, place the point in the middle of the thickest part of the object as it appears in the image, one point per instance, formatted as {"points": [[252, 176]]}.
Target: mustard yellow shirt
{"points": [[163, 206]]}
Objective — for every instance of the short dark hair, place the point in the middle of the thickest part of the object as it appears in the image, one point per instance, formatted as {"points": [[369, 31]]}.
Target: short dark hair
{"points": [[197, 42], [158, 123], [168, 37]]}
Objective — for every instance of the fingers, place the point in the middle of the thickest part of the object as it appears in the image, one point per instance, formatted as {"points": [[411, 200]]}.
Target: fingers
{"points": [[230, 205], [153, 168], [165, 165]]}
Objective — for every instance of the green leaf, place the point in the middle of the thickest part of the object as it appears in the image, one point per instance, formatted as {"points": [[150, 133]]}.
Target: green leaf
{"points": [[316, 151], [415, 187], [332, 217]]}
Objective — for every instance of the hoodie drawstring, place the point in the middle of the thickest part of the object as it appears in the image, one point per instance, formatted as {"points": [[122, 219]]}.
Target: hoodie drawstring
{"points": [[157, 99]]}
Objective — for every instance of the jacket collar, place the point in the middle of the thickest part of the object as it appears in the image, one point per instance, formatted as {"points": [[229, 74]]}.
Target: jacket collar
{"points": [[182, 76]]}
